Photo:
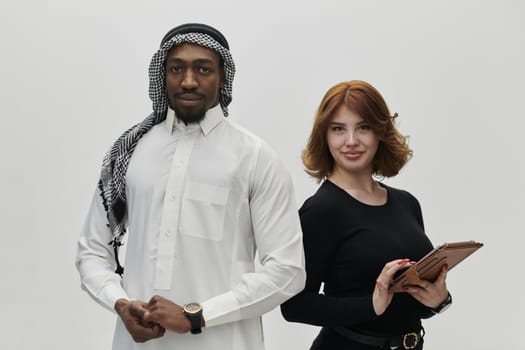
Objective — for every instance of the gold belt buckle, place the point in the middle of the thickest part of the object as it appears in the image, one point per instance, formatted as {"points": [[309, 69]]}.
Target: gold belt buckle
{"points": [[410, 336]]}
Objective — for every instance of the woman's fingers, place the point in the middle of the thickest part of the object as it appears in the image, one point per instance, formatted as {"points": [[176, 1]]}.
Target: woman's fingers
{"points": [[391, 268], [382, 297]]}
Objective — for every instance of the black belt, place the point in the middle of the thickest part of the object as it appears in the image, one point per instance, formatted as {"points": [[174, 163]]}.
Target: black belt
{"points": [[406, 341]]}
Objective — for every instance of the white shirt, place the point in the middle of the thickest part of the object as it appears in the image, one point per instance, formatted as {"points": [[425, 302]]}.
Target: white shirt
{"points": [[203, 199]]}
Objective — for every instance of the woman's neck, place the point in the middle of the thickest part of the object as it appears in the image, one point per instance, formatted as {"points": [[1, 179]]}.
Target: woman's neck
{"points": [[359, 182], [363, 188]]}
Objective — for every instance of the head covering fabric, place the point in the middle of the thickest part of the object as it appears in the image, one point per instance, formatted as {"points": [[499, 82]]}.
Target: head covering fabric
{"points": [[196, 28], [157, 73], [112, 183]]}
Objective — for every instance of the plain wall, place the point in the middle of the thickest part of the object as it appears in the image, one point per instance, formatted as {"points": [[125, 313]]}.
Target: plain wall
{"points": [[74, 76]]}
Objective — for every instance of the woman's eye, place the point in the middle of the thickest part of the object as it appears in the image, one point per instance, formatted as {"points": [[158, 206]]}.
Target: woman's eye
{"points": [[337, 129], [364, 127], [175, 69], [205, 70]]}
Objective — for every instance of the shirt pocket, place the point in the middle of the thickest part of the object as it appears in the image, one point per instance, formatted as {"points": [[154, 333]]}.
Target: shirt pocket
{"points": [[203, 210]]}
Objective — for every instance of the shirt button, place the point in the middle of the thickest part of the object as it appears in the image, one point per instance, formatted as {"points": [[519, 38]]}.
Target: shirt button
{"points": [[167, 233]]}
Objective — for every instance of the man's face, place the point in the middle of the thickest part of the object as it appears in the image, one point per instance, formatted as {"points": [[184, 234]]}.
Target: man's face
{"points": [[194, 75]]}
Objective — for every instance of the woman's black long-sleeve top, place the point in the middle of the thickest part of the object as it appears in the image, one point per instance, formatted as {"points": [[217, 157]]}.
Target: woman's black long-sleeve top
{"points": [[346, 244]]}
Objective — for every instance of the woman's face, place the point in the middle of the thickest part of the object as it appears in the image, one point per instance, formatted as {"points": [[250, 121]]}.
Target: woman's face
{"points": [[351, 142]]}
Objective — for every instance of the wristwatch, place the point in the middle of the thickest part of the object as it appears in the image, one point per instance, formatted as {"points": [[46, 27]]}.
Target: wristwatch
{"points": [[444, 305], [193, 312]]}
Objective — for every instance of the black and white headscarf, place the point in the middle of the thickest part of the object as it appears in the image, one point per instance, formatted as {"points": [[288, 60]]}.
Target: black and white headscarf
{"points": [[112, 183]]}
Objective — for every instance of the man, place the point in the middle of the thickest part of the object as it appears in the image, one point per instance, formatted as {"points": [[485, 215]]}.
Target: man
{"points": [[198, 198]]}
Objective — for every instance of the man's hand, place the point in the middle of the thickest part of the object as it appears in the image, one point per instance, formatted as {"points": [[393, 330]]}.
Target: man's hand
{"points": [[131, 314], [167, 314]]}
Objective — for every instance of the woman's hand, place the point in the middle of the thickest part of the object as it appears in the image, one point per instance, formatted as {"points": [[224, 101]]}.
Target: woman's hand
{"points": [[381, 297], [428, 293]]}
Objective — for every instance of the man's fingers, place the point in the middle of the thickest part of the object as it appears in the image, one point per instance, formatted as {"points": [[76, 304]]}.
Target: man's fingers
{"points": [[136, 310], [139, 328], [140, 333], [158, 330], [148, 316], [154, 299]]}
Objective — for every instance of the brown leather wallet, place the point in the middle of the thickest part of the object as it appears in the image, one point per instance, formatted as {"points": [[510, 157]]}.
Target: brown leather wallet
{"points": [[429, 267]]}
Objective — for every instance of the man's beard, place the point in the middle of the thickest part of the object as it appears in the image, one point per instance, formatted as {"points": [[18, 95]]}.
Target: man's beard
{"points": [[189, 117]]}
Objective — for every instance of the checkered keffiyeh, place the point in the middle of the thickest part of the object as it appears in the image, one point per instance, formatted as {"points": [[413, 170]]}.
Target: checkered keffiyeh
{"points": [[112, 183]]}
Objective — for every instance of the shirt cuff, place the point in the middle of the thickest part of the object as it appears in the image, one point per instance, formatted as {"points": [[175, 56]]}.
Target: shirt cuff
{"points": [[221, 309], [110, 294]]}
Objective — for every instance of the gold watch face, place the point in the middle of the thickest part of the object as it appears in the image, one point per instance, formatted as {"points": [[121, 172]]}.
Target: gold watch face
{"points": [[192, 308]]}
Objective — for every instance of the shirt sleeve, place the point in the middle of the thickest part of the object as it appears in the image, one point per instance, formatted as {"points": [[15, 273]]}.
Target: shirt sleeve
{"points": [[321, 232], [280, 271], [95, 258]]}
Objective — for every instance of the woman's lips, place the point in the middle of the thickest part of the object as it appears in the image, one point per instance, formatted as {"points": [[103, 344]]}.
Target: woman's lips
{"points": [[352, 155]]}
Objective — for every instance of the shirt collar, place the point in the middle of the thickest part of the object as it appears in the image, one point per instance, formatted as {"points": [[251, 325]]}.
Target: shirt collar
{"points": [[212, 118]]}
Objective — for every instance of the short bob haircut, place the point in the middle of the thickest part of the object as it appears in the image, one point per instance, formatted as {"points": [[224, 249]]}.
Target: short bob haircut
{"points": [[362, 98]]}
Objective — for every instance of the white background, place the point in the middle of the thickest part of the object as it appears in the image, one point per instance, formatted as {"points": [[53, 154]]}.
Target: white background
{"points": [[73, 77]]}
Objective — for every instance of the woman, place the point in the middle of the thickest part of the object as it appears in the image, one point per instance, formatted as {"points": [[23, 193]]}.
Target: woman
{"points": [[358, 233]]}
